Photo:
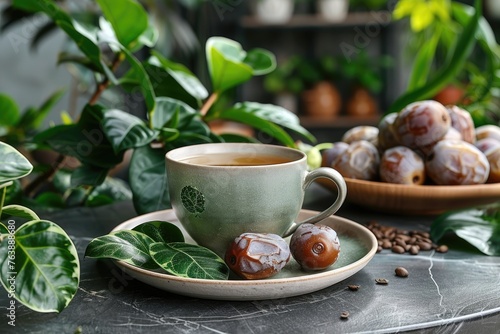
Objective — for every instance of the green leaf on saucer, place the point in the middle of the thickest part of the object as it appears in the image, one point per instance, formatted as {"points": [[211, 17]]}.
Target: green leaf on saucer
{"points": [[131, 247], [190, 261], [45, 265], [161, 231]]}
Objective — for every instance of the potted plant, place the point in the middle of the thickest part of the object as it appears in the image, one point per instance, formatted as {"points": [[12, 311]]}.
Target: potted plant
{"points": [[178, 110], [364, 74], [312, 80]]}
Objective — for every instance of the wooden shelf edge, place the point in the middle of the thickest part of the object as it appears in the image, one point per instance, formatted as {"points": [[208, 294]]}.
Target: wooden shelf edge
{"points": [[371, 18]]}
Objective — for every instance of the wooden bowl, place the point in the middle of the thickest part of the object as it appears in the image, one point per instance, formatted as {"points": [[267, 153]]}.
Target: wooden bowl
{"points": [[417, 200]]}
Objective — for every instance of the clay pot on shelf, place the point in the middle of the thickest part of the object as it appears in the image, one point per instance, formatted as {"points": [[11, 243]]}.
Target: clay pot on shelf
{"points": [[273, 11], [450, 94], [333, 10], [361, 103], [322, 101]]}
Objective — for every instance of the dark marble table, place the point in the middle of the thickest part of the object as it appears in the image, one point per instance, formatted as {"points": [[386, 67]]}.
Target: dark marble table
{"points": [[454, 292]]}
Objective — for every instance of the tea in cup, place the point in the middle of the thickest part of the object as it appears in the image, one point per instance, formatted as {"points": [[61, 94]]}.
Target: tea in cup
{"points": [[219, 191]]}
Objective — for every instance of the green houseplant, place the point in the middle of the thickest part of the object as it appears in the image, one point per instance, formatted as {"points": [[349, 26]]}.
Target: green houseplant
{"points": [[178, 108]]}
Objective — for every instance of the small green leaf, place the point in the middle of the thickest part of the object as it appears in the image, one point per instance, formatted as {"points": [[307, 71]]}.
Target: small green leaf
{"points": [[261, 61], [148, 180], [184, 77], [161, 231], [131, 247], [128, 18], [193, 200], [191, 261], [46, 266], [13, 164], [126, 131], [9, 111], [225, 63], [19, 211], [171, 113]]}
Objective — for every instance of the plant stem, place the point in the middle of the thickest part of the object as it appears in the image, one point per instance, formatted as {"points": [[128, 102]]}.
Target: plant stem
{"points": [[209, 103], [2, 200], [60, 162], [39, 181], [101, 87]]}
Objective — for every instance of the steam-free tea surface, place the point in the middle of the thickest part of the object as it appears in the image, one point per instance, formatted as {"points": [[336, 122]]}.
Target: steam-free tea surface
{"points": [[226, 159]]}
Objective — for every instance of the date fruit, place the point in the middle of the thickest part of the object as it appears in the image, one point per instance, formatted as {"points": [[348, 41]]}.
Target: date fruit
{"points": [[315, 246], [493, 156], [360, 161], [386, 136], [456, 162], [257, 255], [461, 120], [488, 131], [362, 132], [402, 165], [422, 124], [330, 155]]}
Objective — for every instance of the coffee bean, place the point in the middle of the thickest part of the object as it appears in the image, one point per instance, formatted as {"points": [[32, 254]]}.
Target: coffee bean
{"points": [[442, 249], [424, 245], [344, 315], [398, 249], [400, 242], [386, 244], [381, 281], [379, 249], [353, 287], [414, 250], [401, 272]]}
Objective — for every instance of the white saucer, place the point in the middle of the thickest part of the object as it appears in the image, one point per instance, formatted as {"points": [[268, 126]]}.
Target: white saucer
{"points": [[358, 246]]}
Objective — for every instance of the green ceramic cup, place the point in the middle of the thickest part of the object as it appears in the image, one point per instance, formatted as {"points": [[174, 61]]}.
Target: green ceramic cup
{"points": [[216, 202]]}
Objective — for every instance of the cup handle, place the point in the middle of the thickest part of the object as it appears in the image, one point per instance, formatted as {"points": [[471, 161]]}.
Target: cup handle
{"points": [[335, 177]]}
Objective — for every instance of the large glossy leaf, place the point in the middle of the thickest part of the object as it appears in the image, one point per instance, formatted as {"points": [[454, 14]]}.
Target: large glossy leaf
{"points": [[88, 175], [165, 85], [128, 18], [184, 77], [45, 264], [479, 227], [187, 260], [129, 246], [9, 111], [110, 191], [161, 231], [275, 114], [13, 165], [171, 113], [85, 140], [126, 131], [225, 63], [148, 180]]}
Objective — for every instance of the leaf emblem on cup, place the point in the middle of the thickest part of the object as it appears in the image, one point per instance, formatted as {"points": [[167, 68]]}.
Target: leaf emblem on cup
{"points": [[193, 200]]}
